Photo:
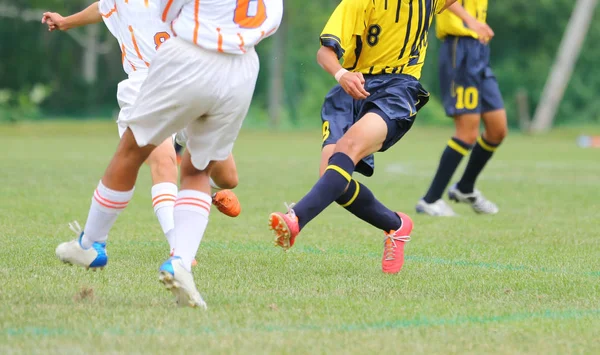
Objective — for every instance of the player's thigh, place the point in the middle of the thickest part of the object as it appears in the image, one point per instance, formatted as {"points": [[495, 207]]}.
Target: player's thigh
{"points": [[365, 137]]}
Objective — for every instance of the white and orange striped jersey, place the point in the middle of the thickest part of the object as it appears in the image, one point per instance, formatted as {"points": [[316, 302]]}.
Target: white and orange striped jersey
{"points": [[229, 26], [137, 26]]}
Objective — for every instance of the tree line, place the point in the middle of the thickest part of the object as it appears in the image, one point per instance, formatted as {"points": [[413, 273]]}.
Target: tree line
{"points": [[76, 75]]}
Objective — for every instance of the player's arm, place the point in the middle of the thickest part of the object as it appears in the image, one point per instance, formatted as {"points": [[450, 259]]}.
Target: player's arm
{"points": [[346, 22], [447, 5], [484, 32], [86, 17]]}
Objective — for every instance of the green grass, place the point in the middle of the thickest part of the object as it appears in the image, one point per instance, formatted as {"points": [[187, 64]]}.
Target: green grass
{"points": [[524, 281]]}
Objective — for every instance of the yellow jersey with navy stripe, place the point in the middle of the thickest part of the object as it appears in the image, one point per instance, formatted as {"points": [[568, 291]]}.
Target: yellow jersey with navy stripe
{"points": [[381, 36], [448, 24]]}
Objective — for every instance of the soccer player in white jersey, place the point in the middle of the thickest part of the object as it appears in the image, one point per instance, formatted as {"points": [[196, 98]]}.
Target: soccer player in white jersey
{"points": [[200, 81], [138, 28]]}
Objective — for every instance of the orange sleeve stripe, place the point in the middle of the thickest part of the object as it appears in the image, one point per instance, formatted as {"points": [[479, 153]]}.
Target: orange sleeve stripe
{"points": [[135, 46], [123, 55], [196, 20], [241, 43], [271, 31], [219, 41], [110, 13], [166, 10]]}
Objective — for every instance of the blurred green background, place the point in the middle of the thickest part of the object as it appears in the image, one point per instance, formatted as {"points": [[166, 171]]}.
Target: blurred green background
{"points": [[58, 75]]}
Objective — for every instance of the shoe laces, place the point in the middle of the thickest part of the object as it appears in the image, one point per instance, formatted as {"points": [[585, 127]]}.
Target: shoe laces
{"points": [[290, 209], [76, 228], [222, 201], [481, 202], [390, 247]]}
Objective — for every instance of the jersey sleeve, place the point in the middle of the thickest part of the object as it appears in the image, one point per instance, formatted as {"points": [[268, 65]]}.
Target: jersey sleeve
{"points": [[439, 5], [107, 8], [170, 9], [348, 20]]}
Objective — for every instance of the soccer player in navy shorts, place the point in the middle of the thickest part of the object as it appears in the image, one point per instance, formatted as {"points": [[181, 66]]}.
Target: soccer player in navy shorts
{"points": [[470, 94], [382, 45]]}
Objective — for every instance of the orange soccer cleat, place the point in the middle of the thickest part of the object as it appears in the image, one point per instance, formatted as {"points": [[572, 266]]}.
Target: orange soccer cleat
{"points": [[393, 246], [285, 226], [227, 203]]}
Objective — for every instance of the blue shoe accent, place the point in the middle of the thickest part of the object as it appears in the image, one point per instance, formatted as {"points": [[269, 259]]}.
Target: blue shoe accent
{"points": [[102, 258], [167, 266]]}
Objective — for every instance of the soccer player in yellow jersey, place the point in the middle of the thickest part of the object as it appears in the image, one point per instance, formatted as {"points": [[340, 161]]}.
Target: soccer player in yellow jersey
{"points": [[382, 45], [470, 93]]}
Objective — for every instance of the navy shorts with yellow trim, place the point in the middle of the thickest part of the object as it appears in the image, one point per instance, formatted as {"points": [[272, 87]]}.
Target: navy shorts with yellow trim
{"points": [[467, 81], [394, 97]]}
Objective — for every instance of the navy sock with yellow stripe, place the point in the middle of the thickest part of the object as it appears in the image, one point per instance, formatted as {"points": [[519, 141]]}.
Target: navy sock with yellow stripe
{"points": [[328, 189], [361, 202], [482, 152], [451, 157]]}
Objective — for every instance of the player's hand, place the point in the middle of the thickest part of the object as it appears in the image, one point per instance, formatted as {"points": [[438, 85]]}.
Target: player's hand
{"points": [[54, 21], [354, 85], [484, 32]]}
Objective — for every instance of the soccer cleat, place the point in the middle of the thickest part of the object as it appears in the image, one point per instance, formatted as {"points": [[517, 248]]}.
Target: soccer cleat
{"points": [[227, 203], [194, 262], [476, 199], [438, 208], [285, 226], [393, 246], [181, 283], [73, 253]]}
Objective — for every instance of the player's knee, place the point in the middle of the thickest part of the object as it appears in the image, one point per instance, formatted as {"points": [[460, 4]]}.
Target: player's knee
{"points": [[467, 136], [351, 146], [164, 165], [497, 134]]}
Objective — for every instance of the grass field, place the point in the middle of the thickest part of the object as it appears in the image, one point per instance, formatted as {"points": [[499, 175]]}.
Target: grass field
{"points": [[524, 281]]}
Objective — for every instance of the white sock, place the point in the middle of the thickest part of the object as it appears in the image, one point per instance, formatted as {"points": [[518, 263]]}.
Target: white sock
{"points": [[191, 218], [163, 200], [106, 206]]}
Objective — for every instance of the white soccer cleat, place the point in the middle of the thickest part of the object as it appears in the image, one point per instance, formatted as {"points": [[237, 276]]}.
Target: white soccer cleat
{"points": [[181, 283], [73, 253], [476, 199], [438, 208]]}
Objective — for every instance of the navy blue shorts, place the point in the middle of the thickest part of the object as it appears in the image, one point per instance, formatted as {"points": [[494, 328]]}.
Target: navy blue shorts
{"points": [[394, 97], [466, 78]]}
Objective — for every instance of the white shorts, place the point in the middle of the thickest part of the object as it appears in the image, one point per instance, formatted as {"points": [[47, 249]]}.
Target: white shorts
{"points": [[128, 91], [204, 92]]}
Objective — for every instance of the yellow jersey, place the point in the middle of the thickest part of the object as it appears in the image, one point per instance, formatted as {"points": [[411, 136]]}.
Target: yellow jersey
{"points": [[448, 24], [381, 36]]}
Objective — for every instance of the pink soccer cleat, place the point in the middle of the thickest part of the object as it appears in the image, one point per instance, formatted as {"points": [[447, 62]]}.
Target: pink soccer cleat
{"points": [[285, 226], [393, 246]]}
